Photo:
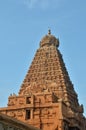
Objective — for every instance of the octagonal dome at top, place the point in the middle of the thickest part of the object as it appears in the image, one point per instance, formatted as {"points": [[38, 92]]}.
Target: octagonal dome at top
{"points": [[49, 39]]}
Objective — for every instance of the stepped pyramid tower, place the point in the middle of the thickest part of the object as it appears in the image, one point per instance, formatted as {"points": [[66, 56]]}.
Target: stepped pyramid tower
{"points": [[47, 98]]}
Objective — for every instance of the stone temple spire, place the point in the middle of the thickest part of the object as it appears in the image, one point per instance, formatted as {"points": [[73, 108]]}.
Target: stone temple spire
{"points": [[47, 98], [49, 68]]}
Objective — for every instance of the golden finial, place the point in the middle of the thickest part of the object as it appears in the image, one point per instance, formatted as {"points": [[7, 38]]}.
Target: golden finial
{"points": [[49, 32]]}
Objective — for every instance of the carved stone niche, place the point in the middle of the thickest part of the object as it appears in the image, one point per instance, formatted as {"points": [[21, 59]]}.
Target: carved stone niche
{"points": [[48, 98], [21, 102], [19, 113], [28, 100], [11, 102], [11, 114], [44, 112]]}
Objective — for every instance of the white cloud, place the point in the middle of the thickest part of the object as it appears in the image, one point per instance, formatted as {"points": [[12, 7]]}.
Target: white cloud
{"points": [[43, 4], [31, 3]]}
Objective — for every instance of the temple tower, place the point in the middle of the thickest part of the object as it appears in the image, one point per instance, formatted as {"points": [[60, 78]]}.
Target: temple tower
{"points": [[47, 98]]}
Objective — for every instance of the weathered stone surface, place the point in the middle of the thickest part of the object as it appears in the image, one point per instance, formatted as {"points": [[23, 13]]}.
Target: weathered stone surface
{"points": [[8, 123]]}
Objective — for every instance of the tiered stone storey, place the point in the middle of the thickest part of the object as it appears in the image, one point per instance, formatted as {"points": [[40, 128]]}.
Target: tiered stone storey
{"points": [[47, 99]]}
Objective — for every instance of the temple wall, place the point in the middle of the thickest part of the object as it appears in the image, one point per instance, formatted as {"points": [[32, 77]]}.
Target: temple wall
{"points": [[8, 123]]}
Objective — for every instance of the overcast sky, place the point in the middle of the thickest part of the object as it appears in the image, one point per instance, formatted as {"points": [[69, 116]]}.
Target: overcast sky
{"points": [[22, 25]]}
